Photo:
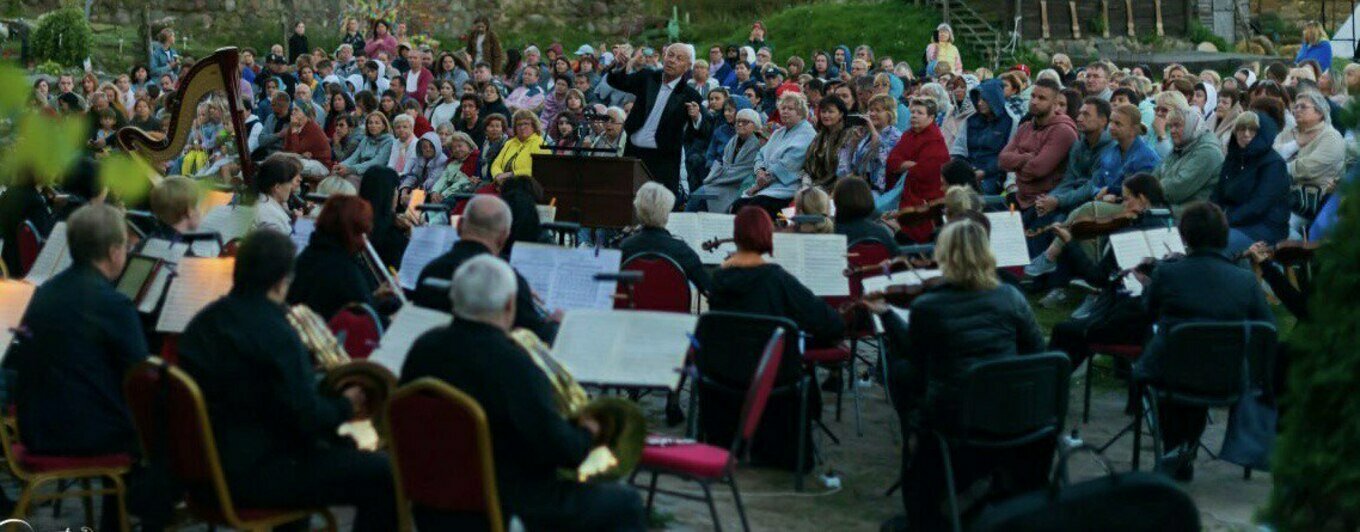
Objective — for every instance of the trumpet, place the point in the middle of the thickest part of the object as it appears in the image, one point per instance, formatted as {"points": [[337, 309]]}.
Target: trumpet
{"points": [[623, 429], [340, 372]]}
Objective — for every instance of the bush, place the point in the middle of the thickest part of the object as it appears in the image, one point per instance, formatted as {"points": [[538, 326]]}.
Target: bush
{"points": [[63, 36], [1200, 33], [1316, 479]]}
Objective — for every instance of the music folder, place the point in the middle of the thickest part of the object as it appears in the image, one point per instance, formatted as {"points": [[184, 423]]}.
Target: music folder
{"points": [[137, 276], [1132, 247], [53, 259], [817, 260], [565, 277], [14, 297], [407, 326], [631, 348]]}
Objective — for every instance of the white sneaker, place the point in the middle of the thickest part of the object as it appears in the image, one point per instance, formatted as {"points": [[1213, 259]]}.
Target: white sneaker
{"points": [[1054, 298]]}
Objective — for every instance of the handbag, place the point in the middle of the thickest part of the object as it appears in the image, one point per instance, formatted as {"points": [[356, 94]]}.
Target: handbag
{"points": [[1251, 427]]}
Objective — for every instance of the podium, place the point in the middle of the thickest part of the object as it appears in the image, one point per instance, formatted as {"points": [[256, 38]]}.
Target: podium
{"points": [[592, 191]]}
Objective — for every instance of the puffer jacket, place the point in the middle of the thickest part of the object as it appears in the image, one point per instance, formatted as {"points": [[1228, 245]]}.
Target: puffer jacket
{"points": [[1253, 188]]}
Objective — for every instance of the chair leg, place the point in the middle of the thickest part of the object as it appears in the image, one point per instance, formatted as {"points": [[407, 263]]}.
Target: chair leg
{"points": [[25, 499], [854, 388], [120, 490], [1154, 421], [840, 392], [883, 369], [949, 484], [87, 502], [802, 434], [1090, 375], [712, 510], [651, 491], [692, 423], [1137, 430], [741, 510]]}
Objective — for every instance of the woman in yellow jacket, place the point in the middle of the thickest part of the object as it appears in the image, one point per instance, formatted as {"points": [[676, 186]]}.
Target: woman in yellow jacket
{"points": [[516, 157]]}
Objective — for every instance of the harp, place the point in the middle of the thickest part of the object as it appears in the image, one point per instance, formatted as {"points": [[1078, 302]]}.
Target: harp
{"points": [[220, 71]]}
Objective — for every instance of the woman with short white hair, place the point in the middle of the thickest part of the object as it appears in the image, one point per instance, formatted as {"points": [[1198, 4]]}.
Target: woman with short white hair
{"points": [[1315, 154], [779, 163], [404, 143], [653, 204], [736, 166]]}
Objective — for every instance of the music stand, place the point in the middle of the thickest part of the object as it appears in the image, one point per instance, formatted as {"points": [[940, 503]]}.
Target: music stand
{"points": [[596, 192]]}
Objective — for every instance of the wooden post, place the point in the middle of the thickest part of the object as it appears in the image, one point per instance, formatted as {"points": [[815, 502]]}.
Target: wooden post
{"points": [[1105, 18], [946, 12], [1157, 4], [1076, 24], [1128, 12], [1043, 16]]}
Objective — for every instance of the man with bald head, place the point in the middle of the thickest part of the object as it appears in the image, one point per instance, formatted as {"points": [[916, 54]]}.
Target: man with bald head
{"points": [[482, 230], [659, 114]]}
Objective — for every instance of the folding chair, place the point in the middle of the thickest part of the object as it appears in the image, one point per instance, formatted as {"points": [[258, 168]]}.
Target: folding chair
{"points": [[36, 470], [663, 288], [30, 242], [359, 328], [172, 420], [1128, 352], [440, 445], [706, 464]]}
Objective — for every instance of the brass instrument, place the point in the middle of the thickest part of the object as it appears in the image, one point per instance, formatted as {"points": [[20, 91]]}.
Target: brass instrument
{"points": [[220, 71], [623, 429], [340, 372]]}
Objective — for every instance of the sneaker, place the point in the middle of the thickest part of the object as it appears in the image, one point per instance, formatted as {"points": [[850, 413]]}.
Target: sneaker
{"points": [[1084, 310], [1054, 298], [1040, 266]]}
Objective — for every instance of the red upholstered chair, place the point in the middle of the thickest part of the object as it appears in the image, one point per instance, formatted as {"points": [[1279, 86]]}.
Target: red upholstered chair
{"points": [[1129, 352], [172, 418], [663, 288], [440, 446], [170, 349], [229, 249], [35, 470], [705, 463], [30, 244], [359, 328]]}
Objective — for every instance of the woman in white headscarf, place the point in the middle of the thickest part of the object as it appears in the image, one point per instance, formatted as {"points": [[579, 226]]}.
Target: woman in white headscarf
{"points": [[1206, 102]]}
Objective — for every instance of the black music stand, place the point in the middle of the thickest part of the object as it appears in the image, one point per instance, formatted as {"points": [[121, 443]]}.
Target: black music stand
{"points": [[596, 192]]}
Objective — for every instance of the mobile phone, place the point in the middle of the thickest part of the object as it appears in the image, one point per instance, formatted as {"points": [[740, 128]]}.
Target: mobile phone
{"points": [[857, 120]]}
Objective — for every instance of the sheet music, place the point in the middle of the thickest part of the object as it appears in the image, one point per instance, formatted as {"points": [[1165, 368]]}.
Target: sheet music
{"points": [[879, 283], [547, 213], [695, 228], [1131, 247], [1008, 239], [302, 233], [154, 292], [564, 277], [53, 259], [164, 250], [14, 298], [213, 199], [818, 261], [198, 281], [407, 325], [624, 347], [428, 242], [1165, 241]]}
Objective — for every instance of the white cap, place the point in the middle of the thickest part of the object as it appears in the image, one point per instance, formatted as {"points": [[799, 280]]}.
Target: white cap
{"points": [[752, 116], [585, 49]]}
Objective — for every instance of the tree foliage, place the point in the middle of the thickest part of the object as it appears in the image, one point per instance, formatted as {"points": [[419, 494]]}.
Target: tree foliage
{"points": [[63, 36]]}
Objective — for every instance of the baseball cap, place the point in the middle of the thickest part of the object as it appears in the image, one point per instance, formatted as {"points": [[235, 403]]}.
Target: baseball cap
{"points": [[585, 49]]}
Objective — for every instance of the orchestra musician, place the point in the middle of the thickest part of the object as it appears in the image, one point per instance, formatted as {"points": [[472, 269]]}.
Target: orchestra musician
{"points": [[174, 202], [275, 432], [653, 204], [483, 229], [21, 202], [279, 176], [970, 317], [748, 283], [531, 440], [390, 233], [329, 272], [79, 336], [855, 215]]}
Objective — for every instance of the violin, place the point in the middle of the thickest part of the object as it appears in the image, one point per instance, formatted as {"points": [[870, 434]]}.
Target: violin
{"points": [[713, 243], [1086, 228], [1288, 252], [931, 211], [893, 265]]}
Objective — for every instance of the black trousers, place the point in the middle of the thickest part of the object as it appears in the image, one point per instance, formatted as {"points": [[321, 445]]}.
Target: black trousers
{"points": [[772, 206], [326, 477], [1181, 425], [664, 166]]}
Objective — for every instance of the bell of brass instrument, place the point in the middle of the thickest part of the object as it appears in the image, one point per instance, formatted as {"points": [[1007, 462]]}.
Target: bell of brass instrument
{"points": [[338, 370], [623, 429]]}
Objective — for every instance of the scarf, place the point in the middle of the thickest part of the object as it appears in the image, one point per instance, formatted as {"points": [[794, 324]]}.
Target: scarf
{"points": [[820, 165]]}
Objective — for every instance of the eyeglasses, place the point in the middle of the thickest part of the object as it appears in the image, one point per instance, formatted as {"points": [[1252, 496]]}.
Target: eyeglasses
{"points": [[744, 122]]}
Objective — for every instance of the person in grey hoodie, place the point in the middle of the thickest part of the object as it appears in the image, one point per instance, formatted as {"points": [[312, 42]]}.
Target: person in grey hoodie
{"points": [[375, 148], [736, 165]]}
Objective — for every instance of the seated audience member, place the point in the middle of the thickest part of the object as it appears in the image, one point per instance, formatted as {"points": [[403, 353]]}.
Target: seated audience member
{"points": [[653, 204], [174, 202], [1315, 154], [375, 148], [748, 283], [1127, 156], [1037, 153], [428, 166], [1190, 172], [822, 161], [483, 229], [1204, 286], [278, 177], [79, 337], [780, 161], [516, 157], [1083, 161], [307, 140], [972, 317], [1253, 188], [330, 275], [403, 143], [855, 215], [868, 158], [982, 137], [915, 162], [276, 434], [531, 439], [736, 165]]}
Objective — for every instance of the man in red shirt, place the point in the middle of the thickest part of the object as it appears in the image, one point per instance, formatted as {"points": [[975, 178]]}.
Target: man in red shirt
{"points": [[1037, 153]]}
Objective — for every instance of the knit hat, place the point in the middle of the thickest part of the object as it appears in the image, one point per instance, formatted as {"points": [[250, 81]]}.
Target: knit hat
{"points": [[752, 116]]}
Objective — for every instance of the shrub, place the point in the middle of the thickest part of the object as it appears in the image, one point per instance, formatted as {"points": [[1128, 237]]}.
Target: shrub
{"points": [[63, 36], [1200, 33]]}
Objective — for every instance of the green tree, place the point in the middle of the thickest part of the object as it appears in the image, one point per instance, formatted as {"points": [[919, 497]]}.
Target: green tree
{"points": [[63, 36], [1316, 467]]}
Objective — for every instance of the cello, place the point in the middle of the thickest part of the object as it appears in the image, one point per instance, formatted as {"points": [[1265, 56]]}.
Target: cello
{"points": [[220, 71]]}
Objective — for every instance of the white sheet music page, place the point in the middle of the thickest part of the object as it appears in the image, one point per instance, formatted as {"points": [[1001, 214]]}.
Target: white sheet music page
{"points": [[302, 233], [1164, 241], [695, 228], [198, 282], [171, 254], [54, 257], [546, 213], [1008, 239], [624, 347], [407, 325], [428, 242], [565, 277], [14, 298], [818, 261], [879, 283], [1130, 248]]}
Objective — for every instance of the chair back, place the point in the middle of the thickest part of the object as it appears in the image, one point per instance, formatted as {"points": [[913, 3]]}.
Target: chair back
{"points": [[441, 454], [761, 384], [30, 245], [172, 423], [229, 249], [358, 324], [1010, 401], [731, 346], [1209, 360], [865, 252], [663, 287]]}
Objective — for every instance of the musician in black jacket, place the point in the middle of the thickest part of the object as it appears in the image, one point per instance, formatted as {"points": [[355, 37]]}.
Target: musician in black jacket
{"points": [[329, 273], [653, 205], [531, 440], [483, 229], [275, 432], [22, 202], [657, 123]]}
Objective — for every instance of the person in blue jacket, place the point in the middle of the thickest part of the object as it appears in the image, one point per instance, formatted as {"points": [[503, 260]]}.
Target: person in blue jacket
{"points": [[1253, 189], [984, 135], [1315, 46]]}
